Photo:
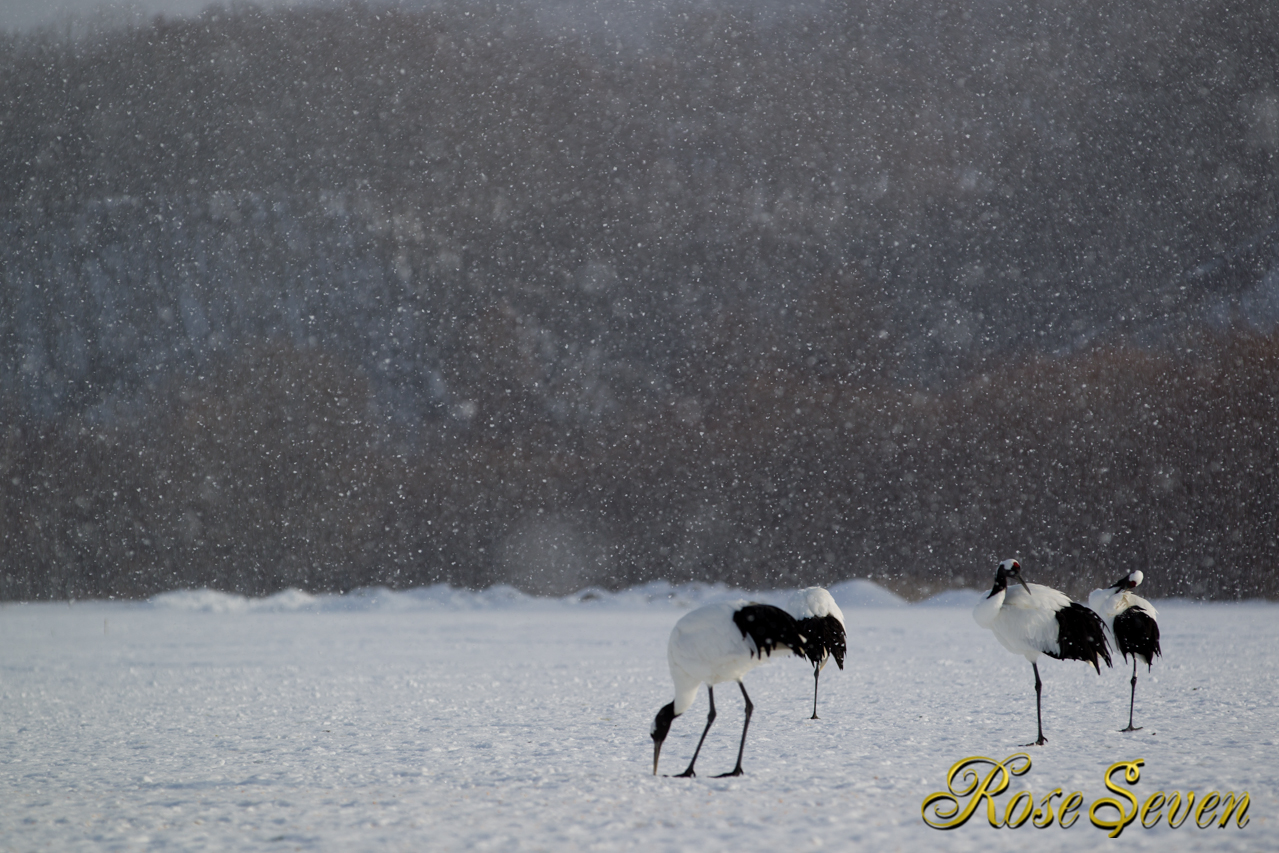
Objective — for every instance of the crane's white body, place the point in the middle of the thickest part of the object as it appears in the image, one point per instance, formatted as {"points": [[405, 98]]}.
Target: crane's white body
{"points": [[1024, 623], [814, 601], [706, 646]]}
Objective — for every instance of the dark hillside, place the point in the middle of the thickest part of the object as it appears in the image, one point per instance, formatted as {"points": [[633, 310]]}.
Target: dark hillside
{"points": [[340, 296]]}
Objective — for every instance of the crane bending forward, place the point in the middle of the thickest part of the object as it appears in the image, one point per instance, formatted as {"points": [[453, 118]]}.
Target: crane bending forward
{"points": [[716, 643]]}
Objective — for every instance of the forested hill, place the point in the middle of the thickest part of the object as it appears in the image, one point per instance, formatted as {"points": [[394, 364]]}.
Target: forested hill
{"points": [[338, 296]]}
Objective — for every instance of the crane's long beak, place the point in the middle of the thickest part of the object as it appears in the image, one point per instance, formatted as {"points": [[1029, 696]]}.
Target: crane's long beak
{"points": [[1022, 581], [661, 725]]}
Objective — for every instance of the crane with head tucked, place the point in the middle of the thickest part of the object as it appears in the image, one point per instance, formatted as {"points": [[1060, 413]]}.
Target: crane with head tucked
{"points": [[821, 623], [1133, 622]]}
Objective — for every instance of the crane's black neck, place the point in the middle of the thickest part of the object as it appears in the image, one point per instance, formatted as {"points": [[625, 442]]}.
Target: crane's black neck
{"points": [[662, 722]]}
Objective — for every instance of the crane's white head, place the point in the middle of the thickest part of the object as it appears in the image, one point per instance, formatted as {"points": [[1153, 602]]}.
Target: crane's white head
{"points": [[1009, 570], [661, 727], [1129, 581]]}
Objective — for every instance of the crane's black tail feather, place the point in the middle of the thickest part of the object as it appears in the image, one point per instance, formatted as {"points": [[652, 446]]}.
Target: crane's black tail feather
{"points": [[770, 627], [823, 635], [1137, 634], [1081, 635]]}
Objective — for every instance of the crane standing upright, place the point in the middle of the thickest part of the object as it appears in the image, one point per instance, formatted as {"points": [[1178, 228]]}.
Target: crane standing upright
{"points": [[1133, 622], [1033, 620]]}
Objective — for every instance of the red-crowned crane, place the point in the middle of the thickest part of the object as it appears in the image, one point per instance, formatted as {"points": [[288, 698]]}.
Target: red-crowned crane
{"points": [[716, 643], [821, 623], [1133, 622], [1033, 620]]}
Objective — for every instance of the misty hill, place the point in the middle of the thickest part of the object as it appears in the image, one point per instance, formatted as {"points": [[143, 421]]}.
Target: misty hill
{"points": [[333, 296]]}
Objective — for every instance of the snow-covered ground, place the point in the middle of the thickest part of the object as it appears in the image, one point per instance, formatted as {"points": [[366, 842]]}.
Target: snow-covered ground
{"points": [[443, 720]]}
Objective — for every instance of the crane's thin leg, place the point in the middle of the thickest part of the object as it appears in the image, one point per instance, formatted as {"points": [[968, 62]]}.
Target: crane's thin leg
{"points": [[1039, 715], [710, 718], [817, 670], [1133, 700], [737, 771]]}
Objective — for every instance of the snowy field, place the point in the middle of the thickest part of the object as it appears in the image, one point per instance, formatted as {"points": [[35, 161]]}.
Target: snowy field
{"points": [[443, 720]]}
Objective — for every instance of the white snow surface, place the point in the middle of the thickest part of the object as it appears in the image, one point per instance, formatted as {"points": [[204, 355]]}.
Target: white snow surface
{"points": [[442, 719]]}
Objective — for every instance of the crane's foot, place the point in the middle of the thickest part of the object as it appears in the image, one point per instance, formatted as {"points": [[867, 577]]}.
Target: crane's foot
{"points": [[814, 717], [1042, 740], [735, 772], [687, 774], [1132, 728]]}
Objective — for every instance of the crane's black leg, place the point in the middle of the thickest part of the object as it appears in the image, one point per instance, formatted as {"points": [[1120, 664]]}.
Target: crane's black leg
{"points": [[737, 771], [817, 670], [1039, 716], [710, 718], [1133, 699]]}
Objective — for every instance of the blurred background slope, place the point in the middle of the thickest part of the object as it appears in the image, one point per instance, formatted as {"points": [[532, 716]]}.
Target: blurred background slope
{"points": [[331, 296]]}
